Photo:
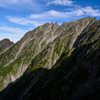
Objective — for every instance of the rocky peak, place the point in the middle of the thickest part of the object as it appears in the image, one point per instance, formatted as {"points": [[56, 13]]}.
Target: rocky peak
{"points": [[5, 44], [5, 41], [55, 26]]}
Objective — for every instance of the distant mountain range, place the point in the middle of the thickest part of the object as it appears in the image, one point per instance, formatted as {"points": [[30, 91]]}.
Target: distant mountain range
{"points": [[53, 62]]}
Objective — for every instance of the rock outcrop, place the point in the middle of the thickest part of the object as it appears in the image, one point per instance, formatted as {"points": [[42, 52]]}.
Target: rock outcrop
{"points": [[5, 44]]}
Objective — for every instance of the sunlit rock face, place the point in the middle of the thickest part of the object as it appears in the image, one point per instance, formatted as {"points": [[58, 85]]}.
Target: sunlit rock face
{"points": [[53, 62]]}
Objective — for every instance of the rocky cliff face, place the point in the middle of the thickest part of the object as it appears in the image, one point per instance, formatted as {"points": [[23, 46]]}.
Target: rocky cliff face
{"points": [[53, 62], [5, 44]]}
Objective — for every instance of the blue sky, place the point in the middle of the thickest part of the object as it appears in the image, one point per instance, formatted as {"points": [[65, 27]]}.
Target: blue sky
{"points": [[19, 16]]}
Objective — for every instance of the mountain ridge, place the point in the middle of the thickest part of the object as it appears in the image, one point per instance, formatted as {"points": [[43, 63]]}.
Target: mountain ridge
{"points": [[50, 49]]}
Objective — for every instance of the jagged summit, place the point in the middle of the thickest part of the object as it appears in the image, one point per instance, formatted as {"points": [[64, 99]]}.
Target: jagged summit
{"points": [[53, 62]]}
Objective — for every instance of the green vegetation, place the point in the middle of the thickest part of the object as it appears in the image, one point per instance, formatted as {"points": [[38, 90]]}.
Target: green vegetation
{"points": [[93, 29]]}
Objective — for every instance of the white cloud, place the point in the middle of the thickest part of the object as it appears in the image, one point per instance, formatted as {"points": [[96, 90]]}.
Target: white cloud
{"points": [[24, 21], [14, 30], [20, 4], [61, 2], [52, 14], [14, 34], [14, 2], [90, 11], [87, 11], [49, 14]]}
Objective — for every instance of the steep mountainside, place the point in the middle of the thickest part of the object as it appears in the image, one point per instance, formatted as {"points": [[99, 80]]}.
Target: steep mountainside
{"points": [[5, 44], [54, 62]]}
